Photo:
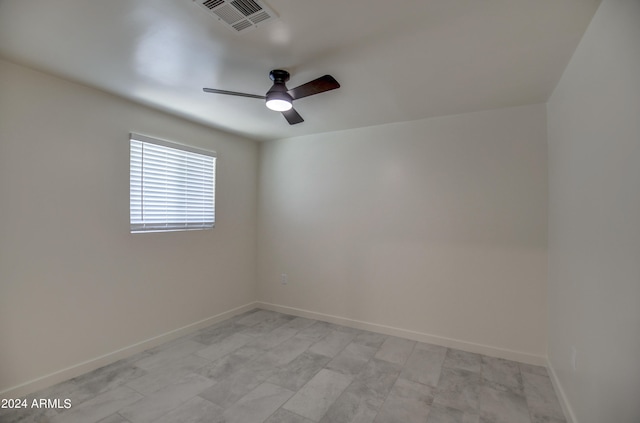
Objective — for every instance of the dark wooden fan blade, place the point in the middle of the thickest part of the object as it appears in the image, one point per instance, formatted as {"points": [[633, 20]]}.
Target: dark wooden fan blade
{"points": [[214, 91], [292, 116], [317, 86]]}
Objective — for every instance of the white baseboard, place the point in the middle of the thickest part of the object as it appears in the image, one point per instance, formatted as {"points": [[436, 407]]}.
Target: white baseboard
{"points": [[103, 360], [562, 397], [413, 335]]}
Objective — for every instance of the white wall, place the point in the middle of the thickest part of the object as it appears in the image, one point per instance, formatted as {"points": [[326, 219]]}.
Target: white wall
{"points": [[435, 227], [74, 283], [594, 220]]}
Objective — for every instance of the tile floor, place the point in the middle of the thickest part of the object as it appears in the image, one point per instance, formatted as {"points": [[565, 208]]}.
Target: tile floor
{"points": [[268, 367]]}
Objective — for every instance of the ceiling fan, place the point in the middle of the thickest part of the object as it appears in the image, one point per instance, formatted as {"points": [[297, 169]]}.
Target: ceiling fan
{"points": [[280, 99]]}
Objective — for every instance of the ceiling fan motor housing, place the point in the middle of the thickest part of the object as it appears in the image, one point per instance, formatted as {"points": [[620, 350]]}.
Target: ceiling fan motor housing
{"points": [[277, 97]]}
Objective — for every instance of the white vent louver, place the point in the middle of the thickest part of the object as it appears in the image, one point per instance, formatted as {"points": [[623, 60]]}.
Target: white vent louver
{"points": [[239, 15]]}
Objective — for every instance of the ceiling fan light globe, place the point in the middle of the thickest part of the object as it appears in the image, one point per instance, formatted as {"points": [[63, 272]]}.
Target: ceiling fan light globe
{"points": [[279, 105]]}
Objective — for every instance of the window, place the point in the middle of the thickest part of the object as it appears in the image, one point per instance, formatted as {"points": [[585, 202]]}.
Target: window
{"points": [[172, 187]]}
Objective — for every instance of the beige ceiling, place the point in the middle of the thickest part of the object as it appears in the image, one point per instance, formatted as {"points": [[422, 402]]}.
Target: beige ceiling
{"points": [[396, 60]]}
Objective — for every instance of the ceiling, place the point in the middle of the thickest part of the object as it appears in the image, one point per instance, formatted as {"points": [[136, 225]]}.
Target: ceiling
{"points": [[396, 60]]}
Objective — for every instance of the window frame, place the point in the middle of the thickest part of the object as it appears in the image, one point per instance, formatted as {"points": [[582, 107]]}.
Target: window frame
{"points": [[138, 225]]}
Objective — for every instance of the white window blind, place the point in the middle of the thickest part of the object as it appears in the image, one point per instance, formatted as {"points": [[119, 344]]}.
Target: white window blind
{"points": [[172, 187]]}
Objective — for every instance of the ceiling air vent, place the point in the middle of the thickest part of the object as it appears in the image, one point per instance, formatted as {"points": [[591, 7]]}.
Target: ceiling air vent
{"points": [[239, 15]]}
